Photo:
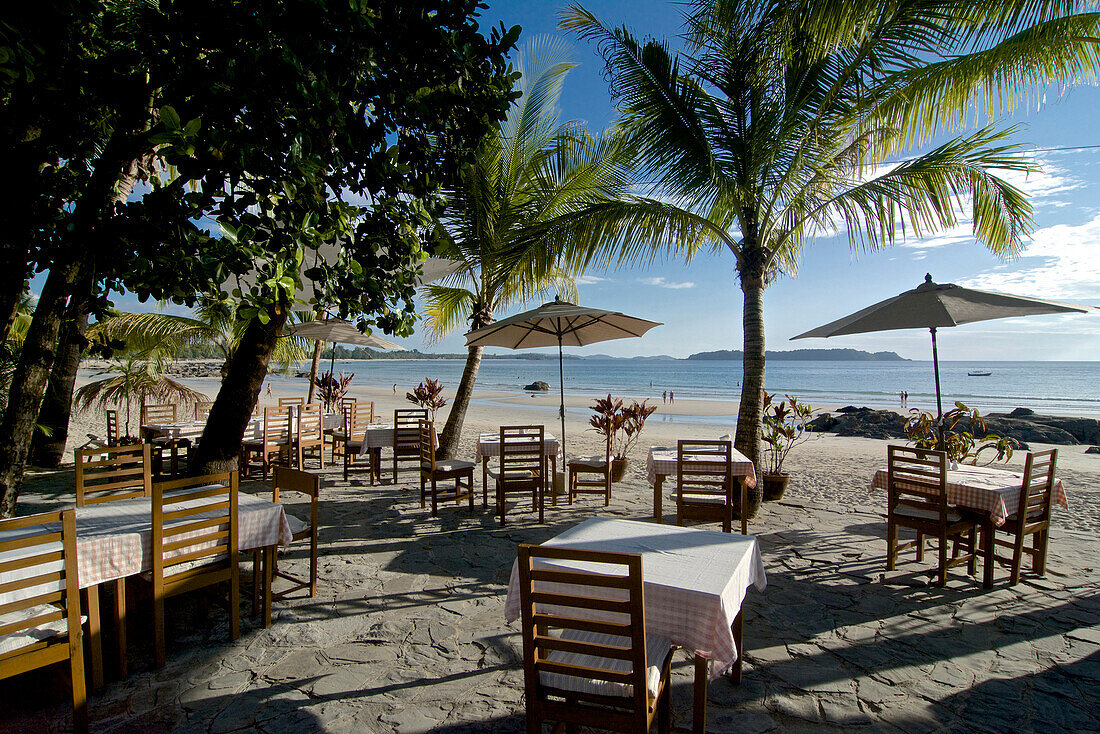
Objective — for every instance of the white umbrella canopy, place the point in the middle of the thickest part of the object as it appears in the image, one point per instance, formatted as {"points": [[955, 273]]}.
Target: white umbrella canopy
{"points": [[563, 324], [338, 331], [935, 305]]}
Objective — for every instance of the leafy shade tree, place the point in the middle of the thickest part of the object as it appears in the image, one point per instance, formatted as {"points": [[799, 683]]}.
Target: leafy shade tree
{"points": [[289, 126], [133, 378], [529, 172], [783, 121]]}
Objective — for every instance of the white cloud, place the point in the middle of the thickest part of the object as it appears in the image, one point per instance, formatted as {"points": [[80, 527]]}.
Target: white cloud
{"points": [[589, 280], [1061, 263], [663, 283]]}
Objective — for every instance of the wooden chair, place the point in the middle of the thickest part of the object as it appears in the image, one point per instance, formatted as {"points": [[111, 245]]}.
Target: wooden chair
{"points": [[274, 441], [202, 411], [194, 545], [310, 437], [582, 466], [284, 402], [586, 657], [40, 607], [107, 475], [1032, 516], [522, 466], [917, 500], [285, 479], [406, 436], [704, 482], [112, 428], [350, 441], [433, 471], [151, 414]]}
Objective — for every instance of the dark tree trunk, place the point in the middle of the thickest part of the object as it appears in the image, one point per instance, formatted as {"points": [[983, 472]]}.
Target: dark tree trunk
{"points": [[750, 414], [48, 450], [452, 431], [13, 272], [313, 369], [220, 446], [29, 383]]}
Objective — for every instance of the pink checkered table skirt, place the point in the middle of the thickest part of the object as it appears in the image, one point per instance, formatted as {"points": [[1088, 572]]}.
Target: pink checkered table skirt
{"points": [[663, 462], [488, 446], [996, 491], [695, 580]]}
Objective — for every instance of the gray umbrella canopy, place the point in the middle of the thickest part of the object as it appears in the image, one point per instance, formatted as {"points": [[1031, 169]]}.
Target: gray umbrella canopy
{"points": [[935, 305], [338, 330], [563, 324]]}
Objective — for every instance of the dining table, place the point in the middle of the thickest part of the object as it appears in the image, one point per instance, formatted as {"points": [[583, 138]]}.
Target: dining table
{"points": [[664, 461], [114, 540], [488, 447], [695, 583], [993, 493]]}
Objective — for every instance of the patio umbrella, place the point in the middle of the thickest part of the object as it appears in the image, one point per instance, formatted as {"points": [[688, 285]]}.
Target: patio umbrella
{"points": [[935, 305], [337, 331], [561, 323]]}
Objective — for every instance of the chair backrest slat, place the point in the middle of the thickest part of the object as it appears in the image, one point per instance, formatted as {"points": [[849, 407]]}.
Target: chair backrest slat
{"points": [[427, 445], [284, 402], [704, 467], [356, 420], [917, 478], [202, 410], [406, 430], [158, 414], [181, 533], [310, 423], [113, 473], [276, 429], [1037, 487], [112, 428], [523, 452], [565, 590]]}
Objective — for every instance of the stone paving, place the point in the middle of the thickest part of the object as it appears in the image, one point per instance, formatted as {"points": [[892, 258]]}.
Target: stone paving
{"points": [[406, 634]]}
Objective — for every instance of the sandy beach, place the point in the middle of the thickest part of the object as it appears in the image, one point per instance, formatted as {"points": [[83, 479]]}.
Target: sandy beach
{"points": [[407, 631]]}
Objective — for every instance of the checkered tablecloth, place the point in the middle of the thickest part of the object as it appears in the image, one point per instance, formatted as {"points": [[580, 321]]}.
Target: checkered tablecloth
{"points": [[996, 491], [695, 580], [488, 446], [115, 539], [663, 460]]}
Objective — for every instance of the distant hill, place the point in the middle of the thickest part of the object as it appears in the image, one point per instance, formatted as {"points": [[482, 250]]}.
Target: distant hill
{"points": [[806, 355]]}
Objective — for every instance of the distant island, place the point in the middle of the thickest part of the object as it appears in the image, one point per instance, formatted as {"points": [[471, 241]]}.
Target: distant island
{"points": [[796, 355], [806, 355]]}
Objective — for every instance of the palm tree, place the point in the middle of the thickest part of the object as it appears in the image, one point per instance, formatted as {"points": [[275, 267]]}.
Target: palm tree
{"points": [[132, 378], [531, 170], [215, 324], [778, 122]]}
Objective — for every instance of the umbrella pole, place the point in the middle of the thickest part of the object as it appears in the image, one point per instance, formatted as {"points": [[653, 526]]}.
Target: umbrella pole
{"points": [[939, 399], [561, 387]]}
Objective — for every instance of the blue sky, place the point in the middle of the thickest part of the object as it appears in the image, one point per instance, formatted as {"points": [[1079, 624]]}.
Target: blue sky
{"points": [[700, 302]]}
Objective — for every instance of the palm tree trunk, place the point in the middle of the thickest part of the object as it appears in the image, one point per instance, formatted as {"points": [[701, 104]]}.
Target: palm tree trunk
{"points": [[220, 445], [316, 365], [750, 414], [28, 386], [48, 449], [448, 441]]}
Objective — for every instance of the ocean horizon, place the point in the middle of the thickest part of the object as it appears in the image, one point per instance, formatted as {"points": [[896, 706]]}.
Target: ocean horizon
{"points": [[1059, 388]]}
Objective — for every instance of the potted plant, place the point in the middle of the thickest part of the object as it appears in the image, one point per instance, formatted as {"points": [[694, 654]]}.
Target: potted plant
{"points": [[332, 389], [621, 425], [428, 394], [956, 435], [784, 428]]}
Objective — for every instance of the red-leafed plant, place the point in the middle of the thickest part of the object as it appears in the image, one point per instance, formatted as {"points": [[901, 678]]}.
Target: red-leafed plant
{"points": [[428, 394], [623, 423], [332, 389]]}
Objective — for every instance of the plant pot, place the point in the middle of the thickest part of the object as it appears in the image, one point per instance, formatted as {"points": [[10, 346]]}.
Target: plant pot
{"points": [[775, 485], [618, 469]]}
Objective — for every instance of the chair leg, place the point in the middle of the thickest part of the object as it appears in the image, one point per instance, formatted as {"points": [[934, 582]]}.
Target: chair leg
{"points": [[435, 497], [80, 694], [572, 484], [891, 545], [256, 582], [234, 599], [1017, 557], [313, 564], [95, 636], [942, 571], [1039, 557], [607, 489], [422, 490], [159, 655], [972, 564], [120, 626], [920, 547]]}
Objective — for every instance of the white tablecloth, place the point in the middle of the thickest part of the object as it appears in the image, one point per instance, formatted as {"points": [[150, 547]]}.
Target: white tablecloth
{"points": [[695, 580], [114, 539], [488, 446]]}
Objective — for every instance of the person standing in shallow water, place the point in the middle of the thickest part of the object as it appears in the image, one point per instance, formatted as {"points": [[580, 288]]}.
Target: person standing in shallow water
{"points": [[671, 396], [664, 396]]}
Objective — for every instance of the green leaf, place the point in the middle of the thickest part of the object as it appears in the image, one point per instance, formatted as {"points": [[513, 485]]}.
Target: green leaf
{"points": [[169, 117]]}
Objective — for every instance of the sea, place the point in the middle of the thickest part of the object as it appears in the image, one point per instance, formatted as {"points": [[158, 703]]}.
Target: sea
{"points": [[1058, 388]]}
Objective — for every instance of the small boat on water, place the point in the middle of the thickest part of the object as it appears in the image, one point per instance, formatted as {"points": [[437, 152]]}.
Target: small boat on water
{"points": [[978, 373]]}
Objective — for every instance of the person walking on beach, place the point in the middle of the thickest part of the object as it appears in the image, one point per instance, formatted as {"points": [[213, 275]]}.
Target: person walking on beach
{"points": [[395, 388], [664, 396], [269, 389], [671, 396]]}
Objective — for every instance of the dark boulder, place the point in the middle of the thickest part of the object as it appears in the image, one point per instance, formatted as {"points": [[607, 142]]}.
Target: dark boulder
{"points": [[1021, 413], [1093, 450], [850, 409], [537, 386], [823, 422], [868, 423]]}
